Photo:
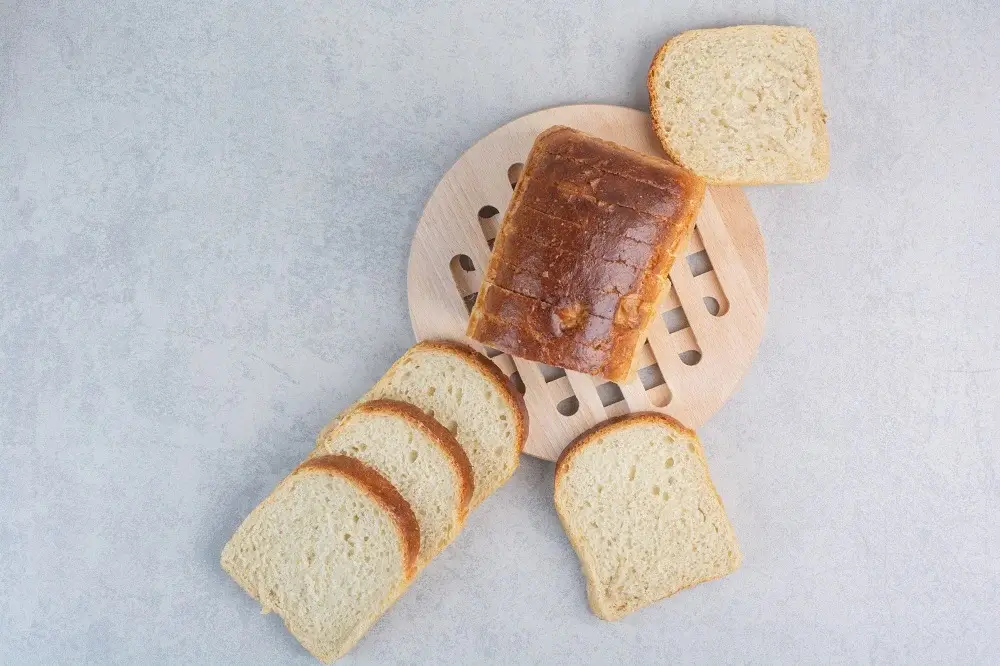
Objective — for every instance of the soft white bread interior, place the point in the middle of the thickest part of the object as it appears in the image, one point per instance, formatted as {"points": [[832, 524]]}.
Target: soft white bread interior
{"points": [[327, 550], [639, 508], [418, 456], [469, 396], [742, 105]]}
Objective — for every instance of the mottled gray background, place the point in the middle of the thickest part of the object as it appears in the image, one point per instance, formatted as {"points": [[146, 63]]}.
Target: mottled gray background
{"points": [[205, 213]]}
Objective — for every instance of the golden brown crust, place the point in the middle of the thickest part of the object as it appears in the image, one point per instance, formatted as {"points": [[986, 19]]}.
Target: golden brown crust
{"points": [[607, 157], [659, 128], [582, 178], [547, 266], [595, 347], [512, 396], [436, 433], [624, 421], [582, 256], [506, 388], [376, 485]]}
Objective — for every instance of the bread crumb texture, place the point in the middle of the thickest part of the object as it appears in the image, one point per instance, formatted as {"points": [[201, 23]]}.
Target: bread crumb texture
{"points": [[742, 105], [380, 436], [324, 555], [642, 514], [473, 405]]}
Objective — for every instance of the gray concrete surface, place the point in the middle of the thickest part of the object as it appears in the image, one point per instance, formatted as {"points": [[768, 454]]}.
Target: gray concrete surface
{"points": [[205, 211]]}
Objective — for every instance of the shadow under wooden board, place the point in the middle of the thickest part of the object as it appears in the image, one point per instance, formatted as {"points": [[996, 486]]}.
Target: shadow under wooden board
{"points": [[710, 326]]}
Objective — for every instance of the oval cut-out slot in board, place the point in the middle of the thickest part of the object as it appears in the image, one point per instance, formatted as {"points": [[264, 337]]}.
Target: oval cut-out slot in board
{"points": [[514, 173], [489, 220], [463, 273], [698, 349]]}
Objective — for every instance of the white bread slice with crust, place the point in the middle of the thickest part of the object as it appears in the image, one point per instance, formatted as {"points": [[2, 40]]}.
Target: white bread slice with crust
{"points": [[327, 550], [418, 456], [467, 394], [742, 105], [639, 508]]}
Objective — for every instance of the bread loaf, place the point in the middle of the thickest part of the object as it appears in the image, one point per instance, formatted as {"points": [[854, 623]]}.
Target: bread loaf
{"points": [[582, 257], [639, 508]]}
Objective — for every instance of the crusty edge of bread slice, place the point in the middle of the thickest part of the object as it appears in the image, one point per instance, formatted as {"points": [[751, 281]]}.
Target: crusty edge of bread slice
{"points": [[434, 431], [503, 384], [565, 459], [658, 128], [370, 481], [636, 418], [376, 486], [487, 367], [386, 495], [437, 433]]}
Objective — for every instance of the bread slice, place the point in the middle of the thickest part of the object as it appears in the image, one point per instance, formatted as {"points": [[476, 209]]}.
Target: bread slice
{"points": [[636, 501], [327, 550], [418, 457], [468, 395], [742, 105]]}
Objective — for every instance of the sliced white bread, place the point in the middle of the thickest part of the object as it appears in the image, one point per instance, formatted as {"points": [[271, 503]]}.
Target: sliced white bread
{"points": [[742, 105], [418, 456], [468, 395], [327, 550], [639, 508]]}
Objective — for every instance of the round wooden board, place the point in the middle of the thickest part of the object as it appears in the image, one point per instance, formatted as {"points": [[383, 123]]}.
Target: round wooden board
{"points": [[698, 350]]}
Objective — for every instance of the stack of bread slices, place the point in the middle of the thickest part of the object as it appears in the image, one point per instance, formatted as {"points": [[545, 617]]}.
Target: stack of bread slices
{"points": [[387, 487]]}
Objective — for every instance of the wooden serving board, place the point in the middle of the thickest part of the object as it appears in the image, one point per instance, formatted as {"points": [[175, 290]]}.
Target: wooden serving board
{"points": [[698, 350]]}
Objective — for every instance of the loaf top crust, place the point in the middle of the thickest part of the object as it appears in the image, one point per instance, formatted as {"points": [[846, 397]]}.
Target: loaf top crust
{"points": [[582, 256]]}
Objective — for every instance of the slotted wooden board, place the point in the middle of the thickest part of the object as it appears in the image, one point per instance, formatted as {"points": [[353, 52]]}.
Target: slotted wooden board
{"points": [[698, 350]]}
